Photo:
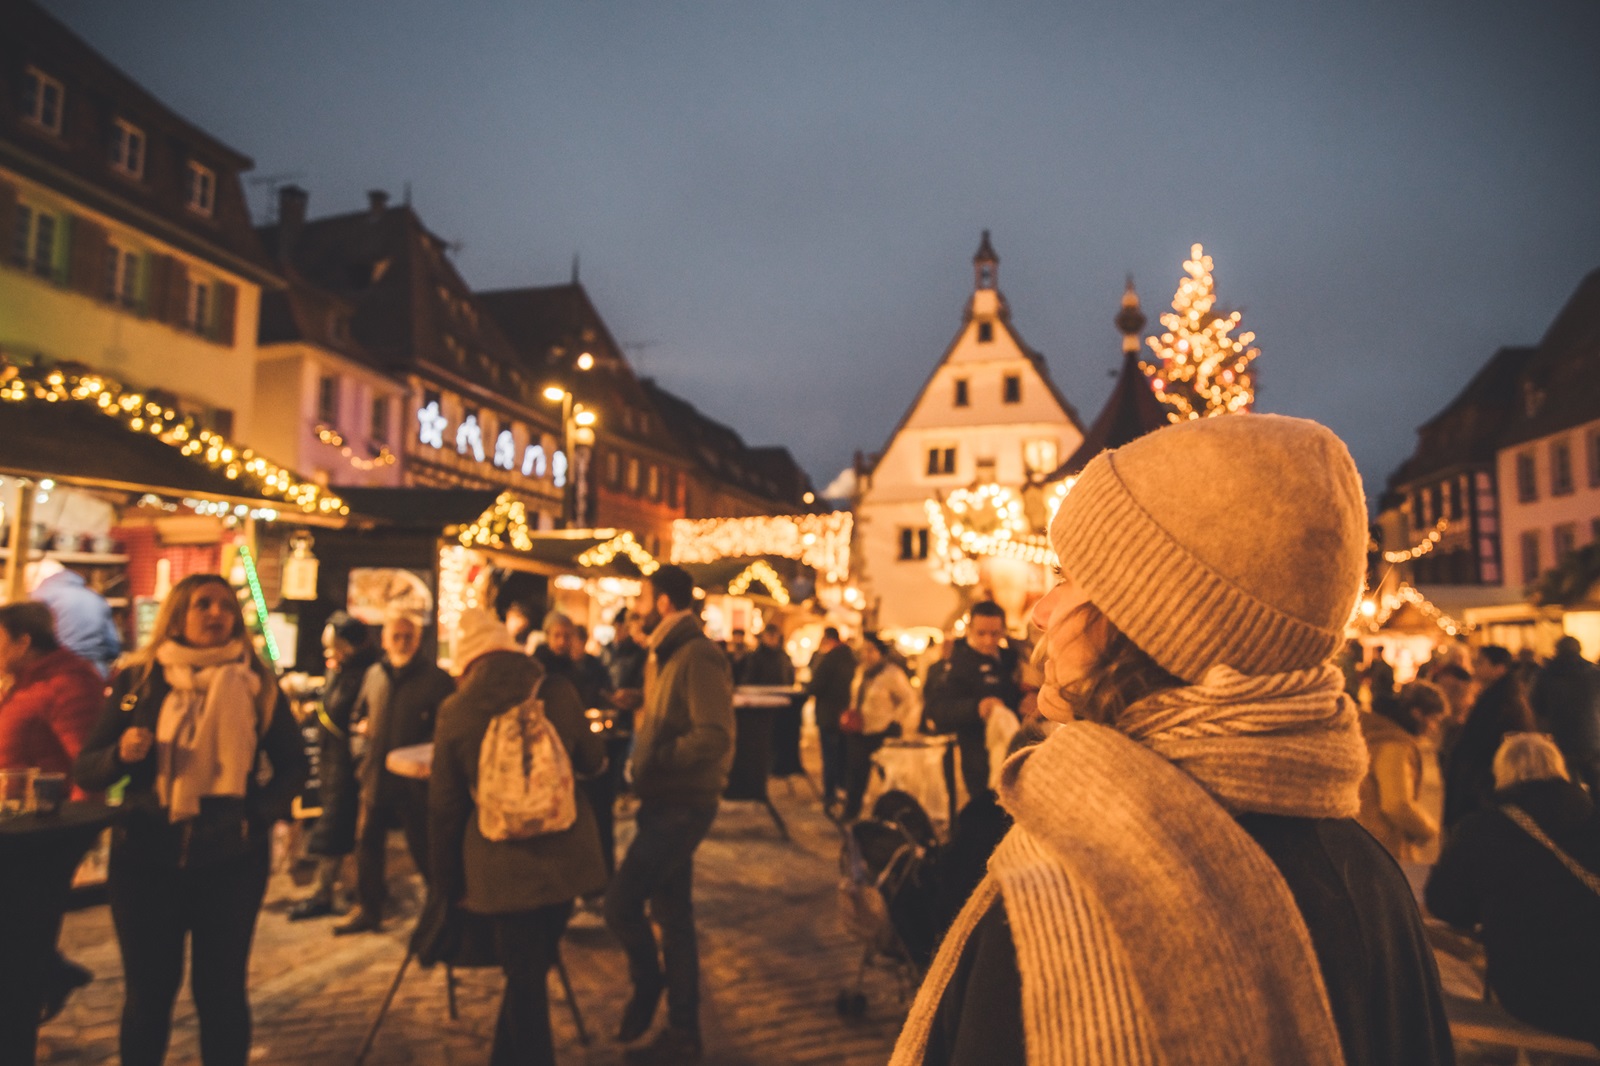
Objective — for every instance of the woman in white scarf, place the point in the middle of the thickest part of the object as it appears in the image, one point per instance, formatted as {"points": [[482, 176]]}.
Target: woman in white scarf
{"points": [[197, 725]]}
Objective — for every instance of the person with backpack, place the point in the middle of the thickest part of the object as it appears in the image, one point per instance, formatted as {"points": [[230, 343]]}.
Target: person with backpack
{"points": [[510, 836]]}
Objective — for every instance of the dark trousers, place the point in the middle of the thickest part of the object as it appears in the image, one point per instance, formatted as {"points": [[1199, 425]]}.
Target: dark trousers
{"points": [[400, 804], [659, 870], [528, 943], [974, 757], [858, 751], [155, 907], [832, 743]]}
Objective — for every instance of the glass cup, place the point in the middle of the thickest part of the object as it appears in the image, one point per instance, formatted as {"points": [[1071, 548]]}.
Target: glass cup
{"points": [[16, 792], [49, 792]]}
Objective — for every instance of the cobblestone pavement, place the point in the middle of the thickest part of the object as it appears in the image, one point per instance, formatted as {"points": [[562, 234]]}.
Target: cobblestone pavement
{"points": [[774, 956]]}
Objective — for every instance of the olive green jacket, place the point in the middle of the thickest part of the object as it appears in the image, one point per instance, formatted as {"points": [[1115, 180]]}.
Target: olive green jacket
{"points": [[683, 734]]}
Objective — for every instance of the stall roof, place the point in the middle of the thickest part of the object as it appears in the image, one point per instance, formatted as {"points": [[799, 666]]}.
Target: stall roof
{"points": [[745, 576], [418, 509], [75, 441], [594, 552]]}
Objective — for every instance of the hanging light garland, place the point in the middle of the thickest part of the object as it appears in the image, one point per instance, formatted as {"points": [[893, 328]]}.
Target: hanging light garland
{"points": [[332, 438], [760, 572], [820, 541], [139, 414], [1422, 547], [1408, 594], [503, 525], [621, 544], [984, 521]]}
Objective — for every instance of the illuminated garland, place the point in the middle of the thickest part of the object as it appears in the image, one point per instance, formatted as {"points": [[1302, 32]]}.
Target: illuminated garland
{"points": [[456, 592], [174, 428], [821, 542], [1202, 370], [331, 437], [1393, 601], [1422, 547], [623, 544], [260, 600], [760, 571], [985, 521], [504, 524]]}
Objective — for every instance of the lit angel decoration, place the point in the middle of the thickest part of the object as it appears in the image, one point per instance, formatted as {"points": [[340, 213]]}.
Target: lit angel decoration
{"points": [[1201, 369]]}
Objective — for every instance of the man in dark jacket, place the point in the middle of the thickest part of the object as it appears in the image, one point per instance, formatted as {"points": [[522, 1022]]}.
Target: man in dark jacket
{"points": [[981, 676], [682, 752], [348, 645], [833, 671], [1540, 923], [399, 699], [524, 886], [1566, 702], [1501, 708], [769, 664]]}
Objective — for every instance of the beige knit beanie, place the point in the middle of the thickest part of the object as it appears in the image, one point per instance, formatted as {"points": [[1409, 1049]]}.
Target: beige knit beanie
{"points": [[477, 633], [1239, 540]]}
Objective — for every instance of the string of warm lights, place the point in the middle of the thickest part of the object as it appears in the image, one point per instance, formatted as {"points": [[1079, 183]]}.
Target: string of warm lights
{"points": [[258, 600], [984, 521], [1422, 547], [139, 414], [760, 572], [331, 437], [621, 544], [456, 591], [1202, 369], [503, 525], [1379, 612], [820, 541]]}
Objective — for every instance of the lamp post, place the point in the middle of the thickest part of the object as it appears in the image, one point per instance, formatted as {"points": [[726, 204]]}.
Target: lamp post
{"points": [[577, 429]]}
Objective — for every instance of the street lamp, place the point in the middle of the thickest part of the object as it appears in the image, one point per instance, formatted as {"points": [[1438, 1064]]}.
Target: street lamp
{"points": [[577, 428]]}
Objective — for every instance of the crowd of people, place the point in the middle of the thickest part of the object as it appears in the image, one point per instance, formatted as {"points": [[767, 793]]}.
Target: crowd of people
{"points": [[1186, 803]]}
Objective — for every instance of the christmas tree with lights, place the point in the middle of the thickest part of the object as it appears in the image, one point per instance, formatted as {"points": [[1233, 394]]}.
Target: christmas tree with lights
{"points": [[1200, 368]]}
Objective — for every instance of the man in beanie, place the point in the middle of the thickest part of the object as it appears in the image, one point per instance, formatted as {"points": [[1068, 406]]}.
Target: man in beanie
{"points": [[1184, 880], [682, 752], [399, 698]]}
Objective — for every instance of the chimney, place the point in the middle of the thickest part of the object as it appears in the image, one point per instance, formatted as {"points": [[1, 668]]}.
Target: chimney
{"points": [[377, 203], [291, 218]]}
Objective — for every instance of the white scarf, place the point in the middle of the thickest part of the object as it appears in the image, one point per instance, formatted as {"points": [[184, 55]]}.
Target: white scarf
{"points": [[209, 726]]}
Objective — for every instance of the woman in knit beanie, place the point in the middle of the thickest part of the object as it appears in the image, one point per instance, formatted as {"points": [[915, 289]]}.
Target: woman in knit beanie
{"points": [[1185, 881]]}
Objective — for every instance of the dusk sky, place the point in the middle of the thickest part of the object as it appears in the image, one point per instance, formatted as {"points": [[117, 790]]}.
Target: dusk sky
{"points": [[776, 204]]}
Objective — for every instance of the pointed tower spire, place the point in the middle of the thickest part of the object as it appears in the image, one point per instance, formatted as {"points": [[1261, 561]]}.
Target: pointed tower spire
{"points": [[1130, 320], [575, 268], [986, 266]]}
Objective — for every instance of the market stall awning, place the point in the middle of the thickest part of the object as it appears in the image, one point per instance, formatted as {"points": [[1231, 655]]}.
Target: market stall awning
{"points": [[749, 576], [85, 431]]}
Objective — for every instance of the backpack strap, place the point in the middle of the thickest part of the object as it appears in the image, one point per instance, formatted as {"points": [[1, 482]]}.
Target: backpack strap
{"points": [[1525, 822]]}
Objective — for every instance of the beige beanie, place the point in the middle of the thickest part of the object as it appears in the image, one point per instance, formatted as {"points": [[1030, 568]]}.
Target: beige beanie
{"points": [[1238, 540], [478, 633]]}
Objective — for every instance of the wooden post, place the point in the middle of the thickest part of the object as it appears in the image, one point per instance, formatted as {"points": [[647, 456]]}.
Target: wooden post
{"points": [[21, 540]]}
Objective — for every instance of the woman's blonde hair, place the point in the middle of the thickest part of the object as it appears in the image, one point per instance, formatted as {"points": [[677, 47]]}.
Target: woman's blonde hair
{"points": [[1527, 757]]}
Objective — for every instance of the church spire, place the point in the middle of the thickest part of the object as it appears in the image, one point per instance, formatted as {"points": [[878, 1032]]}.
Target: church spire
{"points": [[1130, 320], [986, 266]]}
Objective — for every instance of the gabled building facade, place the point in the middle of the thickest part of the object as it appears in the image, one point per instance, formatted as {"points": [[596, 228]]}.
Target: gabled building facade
{"points": [[989, 414], [473, 417], [127, 247]]}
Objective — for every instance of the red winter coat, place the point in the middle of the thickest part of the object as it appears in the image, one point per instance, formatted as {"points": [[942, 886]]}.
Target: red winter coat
{"points": [[49, 711]]}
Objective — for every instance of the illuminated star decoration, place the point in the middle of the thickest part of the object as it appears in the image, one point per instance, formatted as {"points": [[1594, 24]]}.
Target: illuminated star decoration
{"points": [[1200, 369], [431, 425]]}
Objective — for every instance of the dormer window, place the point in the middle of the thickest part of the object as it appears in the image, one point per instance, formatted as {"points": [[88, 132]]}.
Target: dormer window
{"points": [[42, 97], [985, 332], [127, 149], [200, 188]]}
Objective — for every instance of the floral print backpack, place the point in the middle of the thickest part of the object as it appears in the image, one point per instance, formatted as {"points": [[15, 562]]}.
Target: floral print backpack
{"points": [[525, 784]]}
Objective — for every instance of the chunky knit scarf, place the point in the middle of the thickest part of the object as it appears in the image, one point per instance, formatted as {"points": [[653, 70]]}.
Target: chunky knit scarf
{"points": [[1149, 927], [209, 725]]}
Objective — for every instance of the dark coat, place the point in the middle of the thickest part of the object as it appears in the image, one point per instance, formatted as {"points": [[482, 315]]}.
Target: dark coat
{"points": [[1540, 925], [952, 697], [1382, 982], [135, 700], [338, 791], [399, 706], [504, 877], [684, 733], [832, 676], [766, 666], [588, 675], [1469, 779], [1566, 702], [625, 661]]}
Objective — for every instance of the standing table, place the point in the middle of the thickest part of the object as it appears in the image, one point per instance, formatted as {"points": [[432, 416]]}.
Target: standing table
{"points": [[754, 712]]}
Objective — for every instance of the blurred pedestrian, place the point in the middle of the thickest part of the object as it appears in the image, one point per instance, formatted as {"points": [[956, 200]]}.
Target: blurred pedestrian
{"points": [[1185, 880], [1501, 708], [525, 886], [1404, 765], [196, 723], [1524, 874], [683, 750], [885, 705], [769, 664], [980, 678], [563, 655], [1566, 704], [347, 646], [399, 701], [83, 620], [833, 671]]}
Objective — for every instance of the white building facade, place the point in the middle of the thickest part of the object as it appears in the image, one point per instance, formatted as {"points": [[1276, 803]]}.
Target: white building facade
{"points": [[988, 414]]}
